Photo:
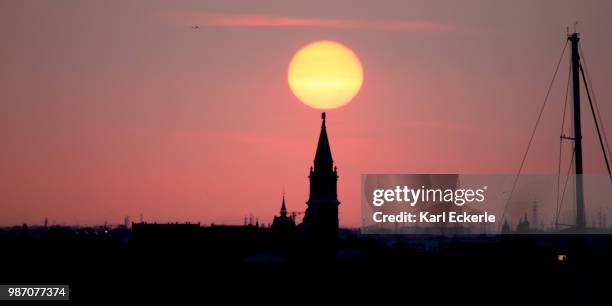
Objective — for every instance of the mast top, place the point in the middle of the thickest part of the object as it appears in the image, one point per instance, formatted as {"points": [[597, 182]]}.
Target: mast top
{"points": [[574, 36]]}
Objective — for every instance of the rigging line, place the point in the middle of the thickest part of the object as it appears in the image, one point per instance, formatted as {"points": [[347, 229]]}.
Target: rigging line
{"points": [[574, 209], [567, 177], [533, 132], [596, 115], [601, 142], [569, 76], [603, 129]]}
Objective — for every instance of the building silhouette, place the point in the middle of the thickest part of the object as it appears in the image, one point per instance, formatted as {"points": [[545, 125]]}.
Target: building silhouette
{"points": [[321, 217], [283, 222], [505, 228], [523, 226]]}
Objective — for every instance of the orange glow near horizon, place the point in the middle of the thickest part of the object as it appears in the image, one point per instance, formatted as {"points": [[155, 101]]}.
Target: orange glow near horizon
{"points": [[325, 75]]}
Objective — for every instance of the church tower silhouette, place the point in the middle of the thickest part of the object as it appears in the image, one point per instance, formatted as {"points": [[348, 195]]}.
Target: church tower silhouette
{"points": [[321, 216]]}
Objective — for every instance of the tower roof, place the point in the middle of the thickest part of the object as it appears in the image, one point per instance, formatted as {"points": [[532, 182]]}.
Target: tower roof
{"points": [[323, 158]]}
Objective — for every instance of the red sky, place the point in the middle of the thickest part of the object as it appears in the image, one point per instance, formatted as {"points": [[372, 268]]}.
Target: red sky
{"points": [[114, 108]]}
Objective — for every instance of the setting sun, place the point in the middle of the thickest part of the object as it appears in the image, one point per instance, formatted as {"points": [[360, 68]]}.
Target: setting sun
{"points": [[325, 75]]}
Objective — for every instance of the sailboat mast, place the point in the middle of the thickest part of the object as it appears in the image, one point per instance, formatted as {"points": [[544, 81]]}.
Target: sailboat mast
{"points": [[580, 220]]}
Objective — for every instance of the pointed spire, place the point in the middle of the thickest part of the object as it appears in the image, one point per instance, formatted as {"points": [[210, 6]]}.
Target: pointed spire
{"points": [[323, 158], [283, 210]]}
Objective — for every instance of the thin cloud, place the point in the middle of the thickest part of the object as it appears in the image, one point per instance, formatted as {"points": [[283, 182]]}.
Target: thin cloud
{"points": [[268, 21]]}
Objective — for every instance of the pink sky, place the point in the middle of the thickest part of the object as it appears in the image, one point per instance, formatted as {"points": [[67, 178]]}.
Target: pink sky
{"points": [[115, 108]]}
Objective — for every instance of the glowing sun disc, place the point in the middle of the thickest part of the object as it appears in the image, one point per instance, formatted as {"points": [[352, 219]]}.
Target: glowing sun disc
{"points": [[325, 74]]}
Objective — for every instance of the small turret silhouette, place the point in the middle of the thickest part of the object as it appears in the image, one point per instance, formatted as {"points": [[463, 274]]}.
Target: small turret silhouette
{"points": [[283, 222]]}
